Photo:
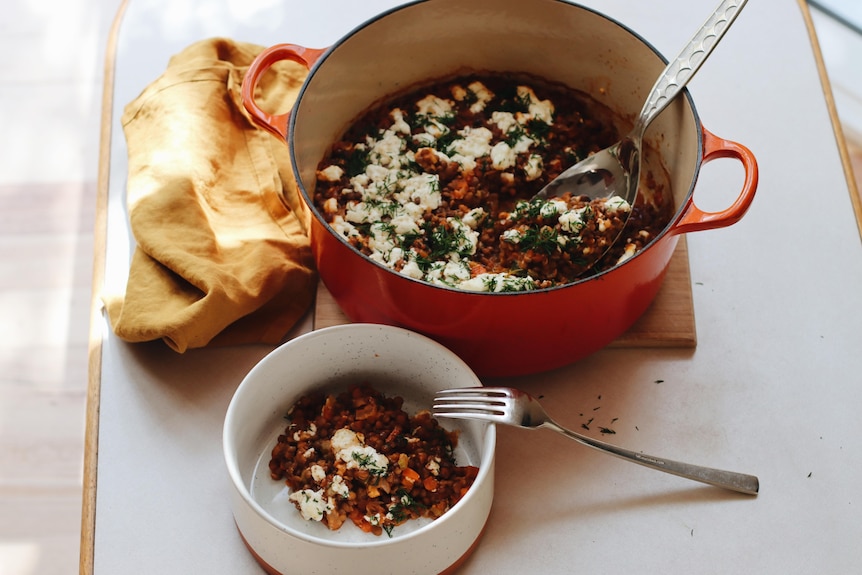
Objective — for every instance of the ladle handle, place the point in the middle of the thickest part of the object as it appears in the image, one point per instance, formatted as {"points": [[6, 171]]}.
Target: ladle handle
{"points": [[682, 68]]}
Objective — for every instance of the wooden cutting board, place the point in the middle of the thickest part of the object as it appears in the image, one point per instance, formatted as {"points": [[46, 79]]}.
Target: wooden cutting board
{"points": [[668, 322]]}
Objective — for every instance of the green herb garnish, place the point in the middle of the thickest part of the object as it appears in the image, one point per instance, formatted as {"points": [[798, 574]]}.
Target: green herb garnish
{"points": [[444, 240], [400, 511], [357, 161], [544, 239], [513, 102], [538, 128]]}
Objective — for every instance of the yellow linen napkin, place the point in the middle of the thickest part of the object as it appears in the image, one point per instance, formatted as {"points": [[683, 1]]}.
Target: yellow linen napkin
{"points": [[222, 254]]}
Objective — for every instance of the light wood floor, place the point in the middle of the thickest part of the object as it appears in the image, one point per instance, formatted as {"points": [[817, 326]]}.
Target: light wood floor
{"points": [[50, 91], [50, 96]]}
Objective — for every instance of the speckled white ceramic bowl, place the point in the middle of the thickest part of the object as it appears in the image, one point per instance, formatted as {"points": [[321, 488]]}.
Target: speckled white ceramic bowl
{"points": [[396, 362]]}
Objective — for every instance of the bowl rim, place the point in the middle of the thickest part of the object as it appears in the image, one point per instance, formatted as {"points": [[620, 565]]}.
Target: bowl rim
{"points": [[487, 443]]}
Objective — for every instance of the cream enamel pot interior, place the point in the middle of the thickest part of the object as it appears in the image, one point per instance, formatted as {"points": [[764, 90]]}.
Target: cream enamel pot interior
{"points": [[507, 333], [396, 362]]}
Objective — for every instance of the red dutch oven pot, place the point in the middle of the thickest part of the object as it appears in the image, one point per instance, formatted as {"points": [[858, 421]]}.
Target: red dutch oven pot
{"points": [[497, 334]]}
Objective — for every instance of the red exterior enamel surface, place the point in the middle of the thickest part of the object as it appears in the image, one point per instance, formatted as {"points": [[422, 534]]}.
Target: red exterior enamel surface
{"points": [[496, 334]]}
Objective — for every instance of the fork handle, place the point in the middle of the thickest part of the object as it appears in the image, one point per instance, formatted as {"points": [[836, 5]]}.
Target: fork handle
{"points": [[740, 482]]}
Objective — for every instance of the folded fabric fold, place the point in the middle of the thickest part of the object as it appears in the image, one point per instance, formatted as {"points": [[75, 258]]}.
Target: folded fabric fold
{"points": [[222, 254]]}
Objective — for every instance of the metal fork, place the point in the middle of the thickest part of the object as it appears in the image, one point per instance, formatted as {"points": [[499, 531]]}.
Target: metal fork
{"points": [[519, 409]]}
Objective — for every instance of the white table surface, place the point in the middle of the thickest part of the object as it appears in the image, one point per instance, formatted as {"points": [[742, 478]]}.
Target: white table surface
{"points": [[773, 387]]}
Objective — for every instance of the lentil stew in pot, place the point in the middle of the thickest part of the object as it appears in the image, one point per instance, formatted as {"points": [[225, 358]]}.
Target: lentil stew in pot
{"points": [[436, 184]]}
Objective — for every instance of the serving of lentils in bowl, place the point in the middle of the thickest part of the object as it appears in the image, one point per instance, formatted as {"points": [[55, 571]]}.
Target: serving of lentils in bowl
{"points": [[335, 460]]}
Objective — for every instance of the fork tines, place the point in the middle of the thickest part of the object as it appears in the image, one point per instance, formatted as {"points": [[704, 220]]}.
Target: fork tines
{"points": [[472, 402]]}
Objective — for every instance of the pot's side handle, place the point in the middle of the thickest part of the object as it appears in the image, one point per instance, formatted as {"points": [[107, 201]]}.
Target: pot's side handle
{"points": [[274, 123], [693, 218]]}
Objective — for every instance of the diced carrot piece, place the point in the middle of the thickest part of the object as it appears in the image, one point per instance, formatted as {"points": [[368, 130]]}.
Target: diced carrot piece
{"points": [[409, 476], [459, 189], [476, 269]]}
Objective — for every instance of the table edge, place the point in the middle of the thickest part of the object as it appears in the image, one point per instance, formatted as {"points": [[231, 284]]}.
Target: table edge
{"points": [[95, 341], [840, 140]]}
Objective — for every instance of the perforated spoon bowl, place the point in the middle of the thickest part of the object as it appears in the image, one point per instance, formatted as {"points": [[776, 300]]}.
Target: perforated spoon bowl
{"points": [[615, 171]]}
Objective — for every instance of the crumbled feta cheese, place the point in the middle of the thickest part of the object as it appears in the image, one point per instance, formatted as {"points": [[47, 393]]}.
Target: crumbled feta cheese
{"points": [[349, 448], [552, 208], [434, 273], [310, 432], [414, 210], [318, 473], [474, 142], [395, 257], [467, 163], [330, 174], [477, 283], [456, 271], [339, 487], [312, 504], [359, 181], [381, 242], [534, 167], [616, 204], [424, 139], [603, 225], [365, 457], [497, 283], [473, 217], [433, 106], [376, 173], [435, 128], [330, 206], [398, 122], [502, 156], [412, 269], [629, 252], [468, 238], [387, 150], [505, 121], [483, 96], [424, 189], [523, 144], [344, 228], [343, 439], [458, 92], [512, 236], [362, 213], [538, 109], [403, 223], [572, 221]]}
